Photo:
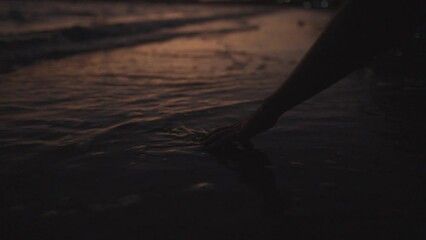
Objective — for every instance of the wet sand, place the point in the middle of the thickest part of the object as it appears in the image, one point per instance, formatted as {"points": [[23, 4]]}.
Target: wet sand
{"points": [[103, 145]]}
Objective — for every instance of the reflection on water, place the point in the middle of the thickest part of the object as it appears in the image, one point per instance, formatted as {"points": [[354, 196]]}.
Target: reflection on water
{"points": [[107, 142], [132, 100], [27, 16]]}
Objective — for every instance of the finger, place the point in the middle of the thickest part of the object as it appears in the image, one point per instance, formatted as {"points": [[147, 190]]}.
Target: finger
{"points": [[223, 140], [213, 135], [215, 131], [217, 137]]}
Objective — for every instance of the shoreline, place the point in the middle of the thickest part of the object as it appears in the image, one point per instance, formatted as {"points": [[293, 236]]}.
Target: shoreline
{"points": [[103, 145]]}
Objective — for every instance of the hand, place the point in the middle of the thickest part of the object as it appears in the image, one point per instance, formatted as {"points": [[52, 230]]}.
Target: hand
{"points": [[239, 133]]}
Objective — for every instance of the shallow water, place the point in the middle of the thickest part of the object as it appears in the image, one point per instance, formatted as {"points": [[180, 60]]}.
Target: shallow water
{"points": [[147, 98], [26, 16], [104, 144]]}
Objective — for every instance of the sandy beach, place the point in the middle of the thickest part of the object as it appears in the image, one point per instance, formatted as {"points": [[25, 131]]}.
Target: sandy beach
{"points": [[99, 136]]}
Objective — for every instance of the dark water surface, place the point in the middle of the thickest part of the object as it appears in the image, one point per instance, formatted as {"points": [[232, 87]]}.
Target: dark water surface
{"points": [[145, 98], [104, 145]]}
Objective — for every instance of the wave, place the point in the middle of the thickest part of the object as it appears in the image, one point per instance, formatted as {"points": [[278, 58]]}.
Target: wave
{"points": [[24, 48]]}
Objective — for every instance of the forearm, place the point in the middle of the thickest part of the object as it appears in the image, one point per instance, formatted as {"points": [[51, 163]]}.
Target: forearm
{"points": [[357, 33]]}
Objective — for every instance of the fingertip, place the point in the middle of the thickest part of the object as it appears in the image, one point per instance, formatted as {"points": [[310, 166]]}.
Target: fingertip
{"points": [[214, 135]]}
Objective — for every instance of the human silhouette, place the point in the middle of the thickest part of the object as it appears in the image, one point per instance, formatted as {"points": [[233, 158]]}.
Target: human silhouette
{"points": [[361, 30]]}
